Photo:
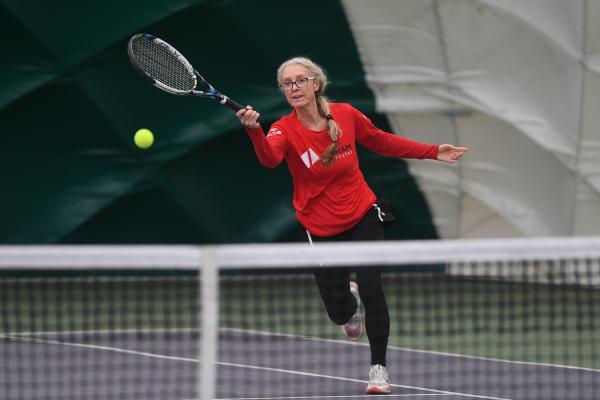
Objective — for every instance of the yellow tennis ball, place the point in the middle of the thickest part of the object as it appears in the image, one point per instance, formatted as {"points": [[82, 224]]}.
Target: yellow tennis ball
{"points": [[143, 138]]}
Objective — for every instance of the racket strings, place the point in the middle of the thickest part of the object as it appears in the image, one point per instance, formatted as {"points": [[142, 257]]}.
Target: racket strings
{"points": [[163, 65]]}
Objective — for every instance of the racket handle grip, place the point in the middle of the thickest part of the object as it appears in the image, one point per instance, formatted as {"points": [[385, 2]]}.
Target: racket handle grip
{"points": [[234, 105]]}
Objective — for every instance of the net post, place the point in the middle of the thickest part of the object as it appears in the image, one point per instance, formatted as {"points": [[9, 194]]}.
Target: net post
{"points": [[209, 324]]}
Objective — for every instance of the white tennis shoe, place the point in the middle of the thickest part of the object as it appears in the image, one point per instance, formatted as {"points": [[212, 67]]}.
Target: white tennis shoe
{"points": [[379, 380], [355, 328]]}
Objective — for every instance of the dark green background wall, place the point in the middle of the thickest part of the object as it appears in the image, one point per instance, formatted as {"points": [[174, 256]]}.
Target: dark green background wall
{"points": [[70, 103]]}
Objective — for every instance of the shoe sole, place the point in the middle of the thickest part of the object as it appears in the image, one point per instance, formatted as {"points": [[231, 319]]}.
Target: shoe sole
{"points": [[378, 389], [360, 336], [354, 286]]}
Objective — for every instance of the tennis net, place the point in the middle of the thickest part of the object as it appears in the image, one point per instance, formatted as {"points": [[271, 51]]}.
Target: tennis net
{"points": [[487, 319]]}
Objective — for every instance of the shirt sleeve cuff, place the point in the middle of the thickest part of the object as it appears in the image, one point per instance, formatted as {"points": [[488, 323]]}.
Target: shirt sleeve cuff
{"points": [[435, 152], [255, 131]]}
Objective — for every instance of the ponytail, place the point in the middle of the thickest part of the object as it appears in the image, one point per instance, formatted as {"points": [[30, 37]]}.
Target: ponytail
{"points": [[333, 130]]}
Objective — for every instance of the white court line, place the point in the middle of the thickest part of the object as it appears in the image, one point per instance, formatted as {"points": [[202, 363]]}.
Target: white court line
{"points": [[337, 397], [104, 331], [98, 347], [253, 367], [407, 349], [339, 378], [370, 396], [312, 338]]}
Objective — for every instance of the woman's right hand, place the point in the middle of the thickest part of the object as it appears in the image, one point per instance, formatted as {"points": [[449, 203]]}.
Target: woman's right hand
{"points": [[248, 117]]}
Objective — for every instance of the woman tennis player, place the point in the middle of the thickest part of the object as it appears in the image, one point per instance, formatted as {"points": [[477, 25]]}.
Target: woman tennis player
{"points": [[331, 198]]}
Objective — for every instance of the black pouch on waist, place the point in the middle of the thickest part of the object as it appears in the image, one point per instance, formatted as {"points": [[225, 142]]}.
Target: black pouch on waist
{"points": [[383, 211]]}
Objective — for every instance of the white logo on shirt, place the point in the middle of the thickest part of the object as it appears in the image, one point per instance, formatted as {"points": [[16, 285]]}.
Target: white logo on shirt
{"points": [[273, 132], [309, 157]]}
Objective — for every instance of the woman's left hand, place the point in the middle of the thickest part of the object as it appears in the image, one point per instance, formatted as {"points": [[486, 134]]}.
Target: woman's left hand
{"points": [[450, 154]]}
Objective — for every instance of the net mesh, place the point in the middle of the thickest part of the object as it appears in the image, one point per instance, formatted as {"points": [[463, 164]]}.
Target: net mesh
{"points": [[98, 337], [162, 63], [500, 320]]}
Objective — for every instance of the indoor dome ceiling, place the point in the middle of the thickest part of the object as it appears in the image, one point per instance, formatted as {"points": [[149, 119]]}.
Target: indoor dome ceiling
{"points": [[516, 81]]}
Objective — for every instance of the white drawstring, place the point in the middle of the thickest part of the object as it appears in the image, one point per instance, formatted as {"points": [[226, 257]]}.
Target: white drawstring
{"points": [[379, 212], [309, 238], [311, 244]]}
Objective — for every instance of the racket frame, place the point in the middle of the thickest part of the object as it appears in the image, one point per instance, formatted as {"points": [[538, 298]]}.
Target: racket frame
{"points": [[210, 92]]}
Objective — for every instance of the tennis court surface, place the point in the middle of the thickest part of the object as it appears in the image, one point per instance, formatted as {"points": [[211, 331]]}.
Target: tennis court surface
{"points": [[504, 329]]}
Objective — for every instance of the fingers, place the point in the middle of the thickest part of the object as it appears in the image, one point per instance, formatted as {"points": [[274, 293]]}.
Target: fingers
{"points": [[248, 117], [450, 147], [451, 154], [455, 156], [463, 149]]}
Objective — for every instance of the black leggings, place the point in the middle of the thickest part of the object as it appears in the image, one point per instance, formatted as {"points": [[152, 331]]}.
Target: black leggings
{"points": [[334, 286]]}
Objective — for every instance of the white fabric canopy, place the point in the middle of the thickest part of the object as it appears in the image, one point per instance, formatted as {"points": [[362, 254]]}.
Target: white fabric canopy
{"points": [[516, 81]]}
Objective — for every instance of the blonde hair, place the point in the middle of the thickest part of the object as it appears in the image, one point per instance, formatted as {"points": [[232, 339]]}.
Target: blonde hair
{"points": [[333, 129]]}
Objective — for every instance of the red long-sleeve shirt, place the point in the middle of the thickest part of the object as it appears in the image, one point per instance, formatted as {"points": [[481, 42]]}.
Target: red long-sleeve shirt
{"points": [[330, 199]]}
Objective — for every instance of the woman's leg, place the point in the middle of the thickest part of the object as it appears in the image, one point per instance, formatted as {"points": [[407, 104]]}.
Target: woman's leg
{"points": [[377, 317], [370, 287], [334, 284]]}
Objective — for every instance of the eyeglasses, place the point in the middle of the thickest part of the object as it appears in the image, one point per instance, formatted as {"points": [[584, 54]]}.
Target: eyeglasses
{"points": [[300, 82]]}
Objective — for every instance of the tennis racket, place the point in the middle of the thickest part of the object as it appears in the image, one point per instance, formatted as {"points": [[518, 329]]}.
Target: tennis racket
{"points": [[168, 70]]}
